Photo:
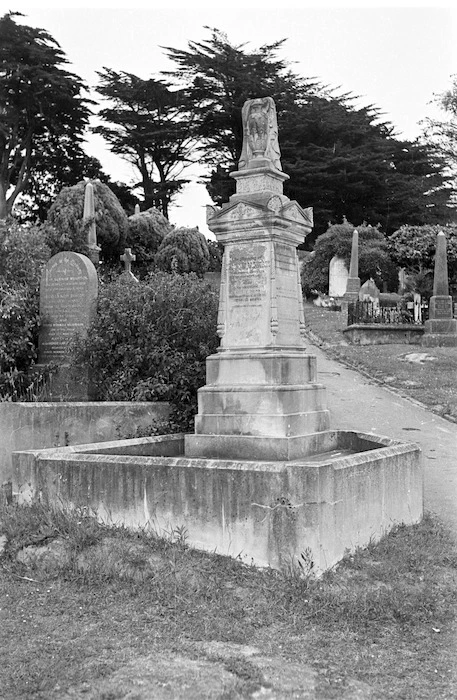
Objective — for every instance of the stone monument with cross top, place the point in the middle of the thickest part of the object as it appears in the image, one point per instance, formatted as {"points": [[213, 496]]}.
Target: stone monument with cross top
{"points": [[127, 258]]}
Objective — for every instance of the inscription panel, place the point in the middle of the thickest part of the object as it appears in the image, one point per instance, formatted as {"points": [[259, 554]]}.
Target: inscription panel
{"points": [[247, 294], [68, 294], [287, 295], [441, 307]]}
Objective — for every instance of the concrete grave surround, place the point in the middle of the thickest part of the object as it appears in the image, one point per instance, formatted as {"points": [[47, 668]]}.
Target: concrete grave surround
{"points": [[68, 298], [338, 277], [263, 477]]}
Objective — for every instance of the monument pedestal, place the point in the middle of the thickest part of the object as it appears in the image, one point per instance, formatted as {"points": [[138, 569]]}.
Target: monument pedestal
{"points": [[259, 405], [441, 328]]}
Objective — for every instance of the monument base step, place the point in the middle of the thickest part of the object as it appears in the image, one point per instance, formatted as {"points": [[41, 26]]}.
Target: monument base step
{"points": [[436, 340], [261, 424], [253, 447]]}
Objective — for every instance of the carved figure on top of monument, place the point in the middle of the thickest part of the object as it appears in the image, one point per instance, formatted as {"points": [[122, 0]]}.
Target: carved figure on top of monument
{"points": [[260, 132]]}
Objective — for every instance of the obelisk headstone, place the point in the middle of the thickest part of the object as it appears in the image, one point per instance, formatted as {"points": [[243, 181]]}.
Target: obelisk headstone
{"points": [[68, 297], [353, 281], [262, 399], [89, 219], [441, 327]]}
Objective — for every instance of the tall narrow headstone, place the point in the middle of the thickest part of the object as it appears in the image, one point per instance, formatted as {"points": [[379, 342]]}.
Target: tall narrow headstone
{"points": [[337, 275], [68, 297], [89, 217], [353, 281], [261, 399], [137, 208], [441, 327]]}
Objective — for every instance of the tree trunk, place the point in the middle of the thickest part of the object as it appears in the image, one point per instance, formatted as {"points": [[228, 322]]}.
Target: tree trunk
{"points": [[3, 204]]}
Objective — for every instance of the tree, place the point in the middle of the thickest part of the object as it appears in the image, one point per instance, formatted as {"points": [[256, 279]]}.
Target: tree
{"points": [[413, 247], [183, 250], [374, 259], [147, 124], [341, 160], [66, 230], [43, 113]]}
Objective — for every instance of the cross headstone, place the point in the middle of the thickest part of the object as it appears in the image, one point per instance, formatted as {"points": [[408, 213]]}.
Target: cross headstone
{"points": [[127, 258]]}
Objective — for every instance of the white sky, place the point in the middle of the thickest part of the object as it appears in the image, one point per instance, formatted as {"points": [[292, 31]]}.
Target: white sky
{"points": [[393, 58]]}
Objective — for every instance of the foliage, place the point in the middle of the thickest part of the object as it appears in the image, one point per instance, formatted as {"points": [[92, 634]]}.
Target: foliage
{"points": [[65, 227], [147, 124], [413, 247], [150, 340], [374, 260], [341, 160], [442, 133], [23, 253], [216, 251], [183, 250], [145, 233], [43, 115]]}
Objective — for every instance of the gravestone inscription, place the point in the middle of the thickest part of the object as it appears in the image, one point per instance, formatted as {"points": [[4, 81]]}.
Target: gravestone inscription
{"points": [[68, 295]]}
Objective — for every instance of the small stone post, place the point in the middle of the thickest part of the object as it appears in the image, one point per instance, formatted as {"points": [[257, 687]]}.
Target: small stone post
{"points": [[441, 327], [137, 209], [89, 215]]}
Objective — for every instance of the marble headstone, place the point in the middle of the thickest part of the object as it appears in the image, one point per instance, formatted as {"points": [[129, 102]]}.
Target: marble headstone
{"points": [[338, 276], [68, 296]]}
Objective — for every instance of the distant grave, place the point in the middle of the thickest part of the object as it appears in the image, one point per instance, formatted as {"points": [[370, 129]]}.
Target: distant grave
{"points": [[68, 297], [338, 277]]}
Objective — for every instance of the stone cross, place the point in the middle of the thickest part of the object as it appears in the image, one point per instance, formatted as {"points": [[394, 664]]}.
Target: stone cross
{"points": [[127, 258]]}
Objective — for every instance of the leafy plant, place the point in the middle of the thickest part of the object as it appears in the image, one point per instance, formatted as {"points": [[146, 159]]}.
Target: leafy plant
{"points": [[149, 341]]}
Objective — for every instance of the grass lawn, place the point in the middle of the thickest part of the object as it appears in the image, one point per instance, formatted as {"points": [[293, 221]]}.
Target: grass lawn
{"points": [[432, 381], [128, 616]]}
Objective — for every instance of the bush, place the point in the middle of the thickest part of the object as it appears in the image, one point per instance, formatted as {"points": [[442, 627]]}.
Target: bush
{"points": [[374, 259], [146, 232], [149, 341], [23, 254], [65, 229], [184, 250]]}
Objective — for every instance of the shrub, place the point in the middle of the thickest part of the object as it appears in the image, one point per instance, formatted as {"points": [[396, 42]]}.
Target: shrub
{"points": [[374, 259], [146, 232], [23, 254], [183, 250], [149, 341], [66, 231]]}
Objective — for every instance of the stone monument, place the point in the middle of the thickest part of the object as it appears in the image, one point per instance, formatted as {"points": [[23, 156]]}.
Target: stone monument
{"points": [[89, 220], [369, 292], [338, 276], [68, 296], [441, 327], [262, 399], [353, 281]]}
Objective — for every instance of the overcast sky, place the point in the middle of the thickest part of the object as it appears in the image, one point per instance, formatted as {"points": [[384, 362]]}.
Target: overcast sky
{"points": [[393, 58]]}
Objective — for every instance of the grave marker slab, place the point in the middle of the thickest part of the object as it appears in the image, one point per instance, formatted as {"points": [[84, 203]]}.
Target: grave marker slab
{"points": [[68, 296]]}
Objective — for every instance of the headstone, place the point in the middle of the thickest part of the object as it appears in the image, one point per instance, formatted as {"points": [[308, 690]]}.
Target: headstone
{"points": [[89, 217], [261, 399], [137, 208], [353, 281], [369, 292], [401, 280], [338, 276], [441, 327], [127, 258], [68, 296]]}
